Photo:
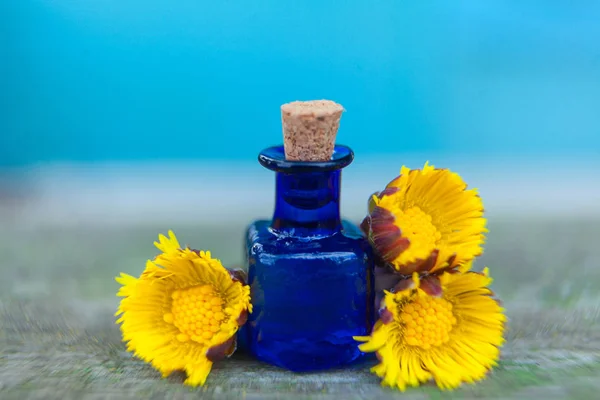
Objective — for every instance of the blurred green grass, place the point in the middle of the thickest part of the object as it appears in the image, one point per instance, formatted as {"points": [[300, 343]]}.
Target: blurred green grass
{"points": [[549, 262]]}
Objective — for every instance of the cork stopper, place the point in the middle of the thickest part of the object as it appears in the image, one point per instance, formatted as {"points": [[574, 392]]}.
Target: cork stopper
{"points": [[309, 129]]}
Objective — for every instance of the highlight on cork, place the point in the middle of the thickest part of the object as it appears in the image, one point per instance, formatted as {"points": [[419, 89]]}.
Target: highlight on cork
{"points": [[310, 129]]}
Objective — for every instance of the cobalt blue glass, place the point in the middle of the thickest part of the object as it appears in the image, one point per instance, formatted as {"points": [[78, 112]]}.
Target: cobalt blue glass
{"points": [[310, 273]]}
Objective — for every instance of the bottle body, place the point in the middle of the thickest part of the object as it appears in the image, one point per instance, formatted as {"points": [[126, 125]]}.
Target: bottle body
{"points": [[311, 277], [310, 297]]}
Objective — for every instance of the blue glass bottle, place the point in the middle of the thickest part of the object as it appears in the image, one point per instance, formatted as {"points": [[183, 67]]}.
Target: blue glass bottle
{"points": [[310, 273]]}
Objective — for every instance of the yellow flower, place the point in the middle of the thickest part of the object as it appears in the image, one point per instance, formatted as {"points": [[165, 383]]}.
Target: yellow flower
{"points": [[426, 220], [183, 312], [447, 328]]}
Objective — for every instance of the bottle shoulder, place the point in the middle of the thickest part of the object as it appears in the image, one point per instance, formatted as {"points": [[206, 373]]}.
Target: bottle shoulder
{"points": [[262, 239]]}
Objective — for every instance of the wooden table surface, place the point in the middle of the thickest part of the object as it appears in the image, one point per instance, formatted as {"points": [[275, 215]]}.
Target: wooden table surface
{"points": [[58, 339]]}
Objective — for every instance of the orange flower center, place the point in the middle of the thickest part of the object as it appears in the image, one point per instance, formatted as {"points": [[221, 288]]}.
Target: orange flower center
{"points": [[197, 312], [427, 321], [417, 226]]}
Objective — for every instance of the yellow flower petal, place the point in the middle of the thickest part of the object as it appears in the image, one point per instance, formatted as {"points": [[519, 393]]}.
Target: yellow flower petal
{"points": [[451, 339], [183, 304], [167, 245], [426, 220], [377, 339]]}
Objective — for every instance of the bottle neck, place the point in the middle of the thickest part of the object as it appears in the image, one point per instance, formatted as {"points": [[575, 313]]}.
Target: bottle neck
{"points": [[307, 203]]}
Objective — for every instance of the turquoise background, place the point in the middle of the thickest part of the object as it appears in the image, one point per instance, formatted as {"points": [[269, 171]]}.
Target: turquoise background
{"points": [[105, 80]]}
